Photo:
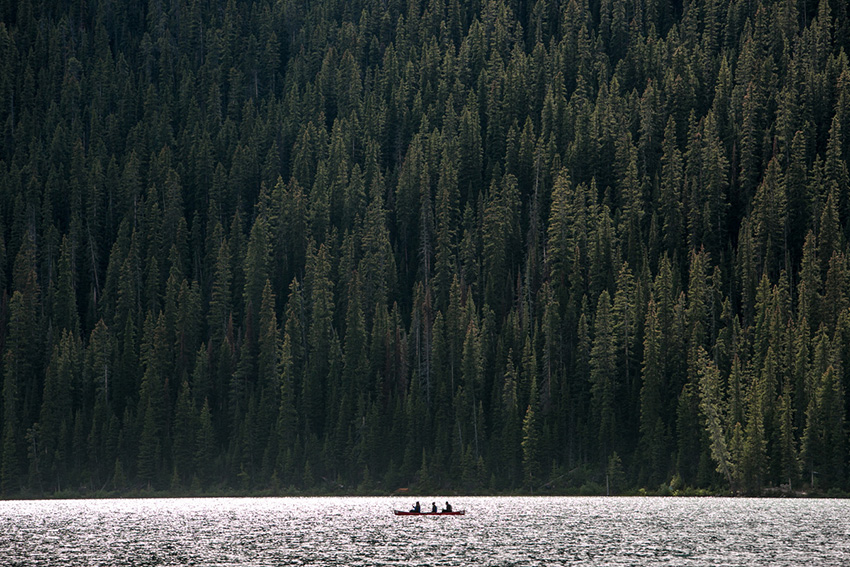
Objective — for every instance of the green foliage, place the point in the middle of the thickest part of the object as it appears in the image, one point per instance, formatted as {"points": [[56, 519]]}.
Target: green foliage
{"points": [[532, 454], [715, 413], [309, 245]]}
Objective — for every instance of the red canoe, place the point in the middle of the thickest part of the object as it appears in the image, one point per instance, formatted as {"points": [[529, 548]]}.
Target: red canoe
{"points": [[454, 513]]}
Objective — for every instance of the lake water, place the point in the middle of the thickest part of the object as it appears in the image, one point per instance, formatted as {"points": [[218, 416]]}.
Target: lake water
{"points": [[363, 531]]}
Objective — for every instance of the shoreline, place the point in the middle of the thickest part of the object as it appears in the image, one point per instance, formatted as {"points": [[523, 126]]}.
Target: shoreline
{"points": [[294, 493]]}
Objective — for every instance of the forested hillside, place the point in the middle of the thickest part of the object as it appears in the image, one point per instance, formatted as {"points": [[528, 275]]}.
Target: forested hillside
{"points": [[452, 245]]}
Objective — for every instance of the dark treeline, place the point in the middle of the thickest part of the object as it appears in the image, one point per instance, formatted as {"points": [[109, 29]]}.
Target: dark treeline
{"points": [[464, 245]]}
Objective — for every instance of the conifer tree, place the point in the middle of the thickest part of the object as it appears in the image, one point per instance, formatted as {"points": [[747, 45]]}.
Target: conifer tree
{"points": [[769, 219], [66, 301], [470, 388], [184, 435], [320, 338], [510, 439], [670, 201], [286, 415], [713, 408], [205, 447], [152, 409], [268, 356], [603, 375], [447, 218], [624, 312], [256, 268], [789, 463], [560, 246], [356, 363], [377, 264], [652, 426], [500, 238], [531, 439], [220, 309]]}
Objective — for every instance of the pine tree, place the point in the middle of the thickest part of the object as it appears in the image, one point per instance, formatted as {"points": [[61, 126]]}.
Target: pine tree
{"points": [[824, 438], [447, 218], [471, 385], [152, 408], [320, 338], [511, 427], [56, 416], [714, 409], [754, 458], [150, 446], [624, 313], [553, 388], [603, 376], [789, 463], [707, 169], [560, 247], [670, 193], [287, 417], [808, 290], [220, 307], [184, 428], [269, 343], [688, 434], [769, 219], [377, 264], [356, 364], [18, 374], [531, 440], [500, 238], [65, 310], [205, 447], [256, 267], [188, 323], [652, 426], [799, 203]]}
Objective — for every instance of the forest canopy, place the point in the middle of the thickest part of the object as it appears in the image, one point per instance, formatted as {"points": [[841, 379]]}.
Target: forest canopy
{"points": [[485, 245]]}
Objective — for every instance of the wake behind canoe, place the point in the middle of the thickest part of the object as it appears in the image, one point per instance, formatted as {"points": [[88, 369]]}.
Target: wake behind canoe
{"points": [[452, 513]]}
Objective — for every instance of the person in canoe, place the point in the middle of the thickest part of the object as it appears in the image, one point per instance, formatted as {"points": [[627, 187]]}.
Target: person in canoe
{"points": [[448, 507], [433, 507], [416, 507]]}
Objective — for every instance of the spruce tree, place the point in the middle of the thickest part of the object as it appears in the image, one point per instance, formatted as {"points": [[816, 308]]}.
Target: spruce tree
{"points": [[652, 425], [532, 457], [183, 448], [603, 376]]}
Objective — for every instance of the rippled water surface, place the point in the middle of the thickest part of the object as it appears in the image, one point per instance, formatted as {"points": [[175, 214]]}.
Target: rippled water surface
{"points": [[363, 531]]}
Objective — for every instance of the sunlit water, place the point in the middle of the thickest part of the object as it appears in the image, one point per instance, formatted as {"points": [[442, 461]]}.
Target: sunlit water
{"points": [[363, 531]]}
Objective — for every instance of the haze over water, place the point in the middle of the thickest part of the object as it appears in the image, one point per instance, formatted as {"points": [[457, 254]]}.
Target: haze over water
{"points": [[363, 531]]}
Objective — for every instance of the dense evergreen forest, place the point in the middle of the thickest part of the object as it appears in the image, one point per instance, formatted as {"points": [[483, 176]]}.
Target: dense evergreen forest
{"points": [[485, 245]]}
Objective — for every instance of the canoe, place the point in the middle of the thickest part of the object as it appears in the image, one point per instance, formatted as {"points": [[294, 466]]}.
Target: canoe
{"points": [[452, 513]]}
